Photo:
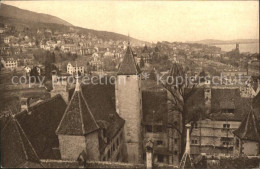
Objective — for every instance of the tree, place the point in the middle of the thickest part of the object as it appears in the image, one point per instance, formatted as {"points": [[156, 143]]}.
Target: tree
{"points": [[180, 91], [49, 67], [141, 62], [35, 74]]}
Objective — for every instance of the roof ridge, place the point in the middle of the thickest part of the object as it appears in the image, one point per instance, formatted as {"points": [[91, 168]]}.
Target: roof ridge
{"points": [[40, 103], [89, 109], [80, 112], [20, 140], [64, 113], [21, 129]]}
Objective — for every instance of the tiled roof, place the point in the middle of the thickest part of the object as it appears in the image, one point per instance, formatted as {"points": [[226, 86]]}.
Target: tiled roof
{"points": [[128, 65], [16, 149], [40, 123], [101, 101], [248, 128], [256, 105], [221, 99], [78, 118]]}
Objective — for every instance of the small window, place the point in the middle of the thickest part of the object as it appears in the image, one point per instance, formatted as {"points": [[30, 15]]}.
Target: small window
{"points": [[160, 158], [149, 128], [195, 125], [104, 158], [194, 141], [225, 143], [226, 126], [175, 152], [159, 142], [175, 141]]}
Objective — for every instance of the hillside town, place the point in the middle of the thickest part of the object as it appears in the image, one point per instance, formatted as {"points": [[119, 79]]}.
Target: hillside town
{"points": [[48, 121]]}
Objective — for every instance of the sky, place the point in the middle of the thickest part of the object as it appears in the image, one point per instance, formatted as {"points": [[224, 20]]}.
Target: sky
{"points": [[158, 20]]}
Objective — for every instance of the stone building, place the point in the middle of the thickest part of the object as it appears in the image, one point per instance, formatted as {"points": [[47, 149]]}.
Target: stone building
{"points": [[73, 68], [9, 63], [129, 106], [87, 128]]}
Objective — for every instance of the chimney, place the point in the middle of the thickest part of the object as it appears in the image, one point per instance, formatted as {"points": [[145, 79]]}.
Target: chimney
{"points": [[149, 154]]}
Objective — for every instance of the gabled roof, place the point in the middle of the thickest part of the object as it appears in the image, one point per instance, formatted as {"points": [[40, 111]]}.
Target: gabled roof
{"points": [[248, 128], [128, 65], [78, 118], [16, 149]]}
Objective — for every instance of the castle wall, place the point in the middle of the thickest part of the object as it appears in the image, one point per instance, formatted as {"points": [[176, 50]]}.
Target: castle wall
{"points": [[129, 106]]}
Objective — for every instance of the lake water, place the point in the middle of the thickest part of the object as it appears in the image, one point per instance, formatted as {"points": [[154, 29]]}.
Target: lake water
{"points": [[249, 47]]}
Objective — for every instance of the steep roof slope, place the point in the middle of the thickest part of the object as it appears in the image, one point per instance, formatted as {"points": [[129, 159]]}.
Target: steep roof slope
{"points": [[248, 128], [78, 118], [16, 149], [128, 65], [40, 123]]}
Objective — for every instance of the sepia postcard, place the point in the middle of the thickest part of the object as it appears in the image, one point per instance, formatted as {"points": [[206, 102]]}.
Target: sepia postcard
{"points": [[129, 84]]}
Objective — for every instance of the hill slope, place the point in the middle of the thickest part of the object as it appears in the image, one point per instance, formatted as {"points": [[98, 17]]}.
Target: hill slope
{"points": [[14, 12], [219, 42], [24, 18]]}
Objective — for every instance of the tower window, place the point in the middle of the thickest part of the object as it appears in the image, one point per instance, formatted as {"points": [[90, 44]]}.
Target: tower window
{"points": [[149, 128]]}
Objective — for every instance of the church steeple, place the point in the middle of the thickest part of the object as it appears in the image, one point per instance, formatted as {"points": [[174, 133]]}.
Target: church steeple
{"points": [[128, 65]]}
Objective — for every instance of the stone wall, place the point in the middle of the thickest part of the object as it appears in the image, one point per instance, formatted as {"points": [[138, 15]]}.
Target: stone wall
{"points": [[71, 146], [92, 144]]}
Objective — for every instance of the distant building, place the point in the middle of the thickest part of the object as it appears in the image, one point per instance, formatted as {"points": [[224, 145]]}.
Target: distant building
{"points": [[73, 68], [27, 69], [9, 63], [66, 48]]}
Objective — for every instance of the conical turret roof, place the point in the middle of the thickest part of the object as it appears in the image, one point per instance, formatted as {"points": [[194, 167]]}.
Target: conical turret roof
{"points": [[128, 65], [78, 118]]}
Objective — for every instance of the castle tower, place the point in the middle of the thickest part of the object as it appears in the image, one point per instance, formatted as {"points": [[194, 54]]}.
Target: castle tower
{"points": [[237, 47], [129, 106], [78, 129]]}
